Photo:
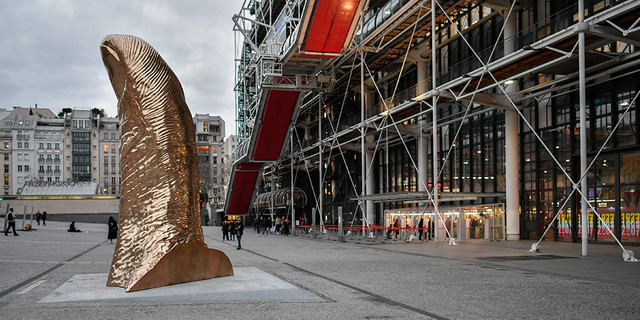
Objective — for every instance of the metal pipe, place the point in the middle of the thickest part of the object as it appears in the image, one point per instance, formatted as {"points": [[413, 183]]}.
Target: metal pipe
{"points": [[434, 122], [363, 163], [583, 127]]}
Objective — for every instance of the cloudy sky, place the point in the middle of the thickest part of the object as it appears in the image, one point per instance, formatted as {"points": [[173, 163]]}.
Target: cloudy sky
{"points": [[49, 51]]}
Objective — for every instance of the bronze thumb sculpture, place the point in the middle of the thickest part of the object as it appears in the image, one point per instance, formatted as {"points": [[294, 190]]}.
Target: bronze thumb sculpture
{"points": [[160, 241]]}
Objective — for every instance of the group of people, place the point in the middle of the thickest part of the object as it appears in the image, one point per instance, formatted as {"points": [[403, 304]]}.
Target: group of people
{"points": [[233, 230], [265, 225], [394, 229], [11, 221]]}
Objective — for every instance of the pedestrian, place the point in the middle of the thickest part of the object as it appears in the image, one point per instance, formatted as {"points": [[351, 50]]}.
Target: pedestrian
{"points": [[285, 227], [396, 227], [11, 219], [72, 227], [225, 230], [44, 218], [38, 217], [420, 228], [257, 224], [232, 230], [113, 229], [239, 230]]}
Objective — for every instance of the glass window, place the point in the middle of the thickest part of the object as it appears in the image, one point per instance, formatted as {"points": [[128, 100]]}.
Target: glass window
{"points": [[106, 148]]}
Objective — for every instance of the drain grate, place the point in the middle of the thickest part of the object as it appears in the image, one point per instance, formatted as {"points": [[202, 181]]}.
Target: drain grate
{"points": [[527, 257]]}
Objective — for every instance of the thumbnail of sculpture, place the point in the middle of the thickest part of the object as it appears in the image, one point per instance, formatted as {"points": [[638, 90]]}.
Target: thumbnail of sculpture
{"points": [[161, 241]]}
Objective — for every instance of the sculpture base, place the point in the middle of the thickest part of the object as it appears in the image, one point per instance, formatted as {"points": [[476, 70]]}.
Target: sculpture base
{"points": [[186, 262]]}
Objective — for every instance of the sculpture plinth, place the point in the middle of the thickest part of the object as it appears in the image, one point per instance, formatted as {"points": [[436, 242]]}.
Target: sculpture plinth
{"points": [[160, 241]]}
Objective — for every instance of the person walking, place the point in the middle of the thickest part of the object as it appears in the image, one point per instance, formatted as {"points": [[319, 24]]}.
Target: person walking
{"points": [[239, 230], [113, 229], [11, 219], [396, 227], [38, 217], [225, 230], [44, 218], [232, 230], [420, 228]]}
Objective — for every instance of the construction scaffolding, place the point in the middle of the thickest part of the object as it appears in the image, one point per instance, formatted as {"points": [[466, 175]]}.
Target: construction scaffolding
{"points": [[371, 103]]}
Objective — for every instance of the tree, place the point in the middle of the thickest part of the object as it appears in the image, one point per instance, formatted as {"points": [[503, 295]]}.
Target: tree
{"points": [[64, 111], [97, 111]]}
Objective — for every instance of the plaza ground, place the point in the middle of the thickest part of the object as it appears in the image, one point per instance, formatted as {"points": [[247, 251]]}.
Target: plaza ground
{"points": [[356, 279]]}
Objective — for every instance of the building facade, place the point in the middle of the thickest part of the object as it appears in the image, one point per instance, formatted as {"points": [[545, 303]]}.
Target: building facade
{"points": [[210, 131], [475, 104]]}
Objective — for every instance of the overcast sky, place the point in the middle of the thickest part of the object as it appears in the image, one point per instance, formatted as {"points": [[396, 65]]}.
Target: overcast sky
{"points": [[49, 51]]}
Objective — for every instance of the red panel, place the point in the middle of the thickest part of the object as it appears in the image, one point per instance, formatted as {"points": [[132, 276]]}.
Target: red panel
{"points": [[276, 118], [249, 166], [329, 25], [241, 192]]}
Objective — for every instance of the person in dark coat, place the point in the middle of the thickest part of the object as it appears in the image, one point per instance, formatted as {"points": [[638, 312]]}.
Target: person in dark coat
{"points": [[285, 227], [239, 230], [113, 229], [420, 228], [232, 230], [72, 227], [44, 218], [225, 230], [38, 217]]}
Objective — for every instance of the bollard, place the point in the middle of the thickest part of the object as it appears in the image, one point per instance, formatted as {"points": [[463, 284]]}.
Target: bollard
{"points": [[313, 222], [340, 227]]}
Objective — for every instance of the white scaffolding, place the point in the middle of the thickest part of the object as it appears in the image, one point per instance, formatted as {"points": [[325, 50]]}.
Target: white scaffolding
{"points": [[479, 86]]}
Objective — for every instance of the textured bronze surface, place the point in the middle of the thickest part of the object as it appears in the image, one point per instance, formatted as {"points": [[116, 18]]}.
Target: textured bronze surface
{"points": [[160, 240]]}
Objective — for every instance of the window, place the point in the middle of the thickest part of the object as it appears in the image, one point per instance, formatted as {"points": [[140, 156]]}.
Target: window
{"points": [[106, 159], [215, 149], [26, 145], [6, 156], [41, 169], [113, 136], [41, 157], [106, 148], [19, 168], [57, 169], [7, 145], [203, 149], [113, 159], [113, 168], [19, 145], [6, 168], [57, 178], [57, 146], [113, 180], [41, 145], [215, 159], [6, 181], [113, 148], [49, 179], [19, 156], [205, 126], [26, 168], [57, 158], [106, 135], [215, 138], [26, 157]]}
